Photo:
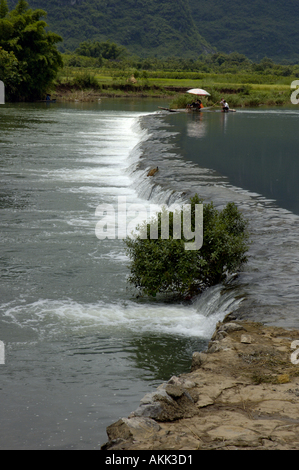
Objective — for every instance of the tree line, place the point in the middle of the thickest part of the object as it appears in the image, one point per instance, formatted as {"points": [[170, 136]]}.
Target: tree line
{"points": [[89, 54], [29, 59]]}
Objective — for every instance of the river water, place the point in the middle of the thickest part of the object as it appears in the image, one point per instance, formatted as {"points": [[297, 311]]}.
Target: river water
{"points": [[80, 350]]}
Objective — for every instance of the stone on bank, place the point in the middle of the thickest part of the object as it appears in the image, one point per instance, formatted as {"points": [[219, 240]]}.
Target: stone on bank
{"points": [[241, 393]]}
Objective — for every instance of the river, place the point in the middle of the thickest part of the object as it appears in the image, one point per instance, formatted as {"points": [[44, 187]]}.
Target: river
{"points": [[80, 350]]}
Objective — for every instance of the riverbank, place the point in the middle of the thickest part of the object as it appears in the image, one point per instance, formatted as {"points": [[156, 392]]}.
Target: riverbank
{"points": [[236, 95], [71, 93], [241, 393]]}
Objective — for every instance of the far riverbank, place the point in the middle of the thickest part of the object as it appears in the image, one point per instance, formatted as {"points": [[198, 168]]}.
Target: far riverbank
{"points": [[237, 96]]}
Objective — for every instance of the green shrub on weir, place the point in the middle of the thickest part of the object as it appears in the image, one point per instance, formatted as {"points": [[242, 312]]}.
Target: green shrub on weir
{"points": [[159, 266]]}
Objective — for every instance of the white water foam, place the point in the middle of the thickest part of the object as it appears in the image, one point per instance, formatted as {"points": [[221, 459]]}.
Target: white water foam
{"points": [[53, 317]]}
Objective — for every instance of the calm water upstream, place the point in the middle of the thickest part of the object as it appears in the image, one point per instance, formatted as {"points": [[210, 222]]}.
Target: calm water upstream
{"points": [[80, 350]]}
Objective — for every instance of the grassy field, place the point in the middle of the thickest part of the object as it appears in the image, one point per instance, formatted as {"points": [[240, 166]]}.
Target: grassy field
{"points": [[240, 89]]}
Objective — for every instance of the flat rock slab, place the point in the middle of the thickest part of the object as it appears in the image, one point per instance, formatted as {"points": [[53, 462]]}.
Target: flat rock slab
{"points": [[241, 393]]}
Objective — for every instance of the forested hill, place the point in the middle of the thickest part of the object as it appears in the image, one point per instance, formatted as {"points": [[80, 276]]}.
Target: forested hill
{"points": [[185, 28], [144, 27], [256, 28]]}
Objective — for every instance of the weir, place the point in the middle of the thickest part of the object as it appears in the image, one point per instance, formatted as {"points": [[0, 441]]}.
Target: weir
{"points": [[269, 282]]}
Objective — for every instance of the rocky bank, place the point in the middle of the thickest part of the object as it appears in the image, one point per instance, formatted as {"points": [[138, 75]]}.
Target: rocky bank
{"points": [[241, 393]]}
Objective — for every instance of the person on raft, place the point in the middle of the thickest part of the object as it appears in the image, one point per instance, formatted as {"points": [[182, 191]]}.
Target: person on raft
{"points": [[196, 104], [225, 106]]}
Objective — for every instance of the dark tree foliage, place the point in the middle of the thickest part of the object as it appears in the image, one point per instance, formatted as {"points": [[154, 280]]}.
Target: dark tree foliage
{"points": [[9, 72], [185, 28], [31, 59], [145, 27], [96, 49], [257, 28]]}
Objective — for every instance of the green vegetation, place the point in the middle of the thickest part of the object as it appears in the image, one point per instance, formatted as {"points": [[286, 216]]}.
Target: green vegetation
{"points": [[161, 266], [161, 29], [256, 28], [100, 50], [158, 28], [29, 57], [30, 62], [9, 72], [183, 68], [232, 76], [237, 96]]}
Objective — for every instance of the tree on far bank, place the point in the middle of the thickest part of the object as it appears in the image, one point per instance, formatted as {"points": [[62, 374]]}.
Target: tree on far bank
{"points": [[9, 71], [3, 8], [101, 50], [30, 52]]}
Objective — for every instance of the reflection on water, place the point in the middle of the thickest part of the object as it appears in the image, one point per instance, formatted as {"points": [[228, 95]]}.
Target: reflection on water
{"points": [[256, 150], [197, 127]]}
